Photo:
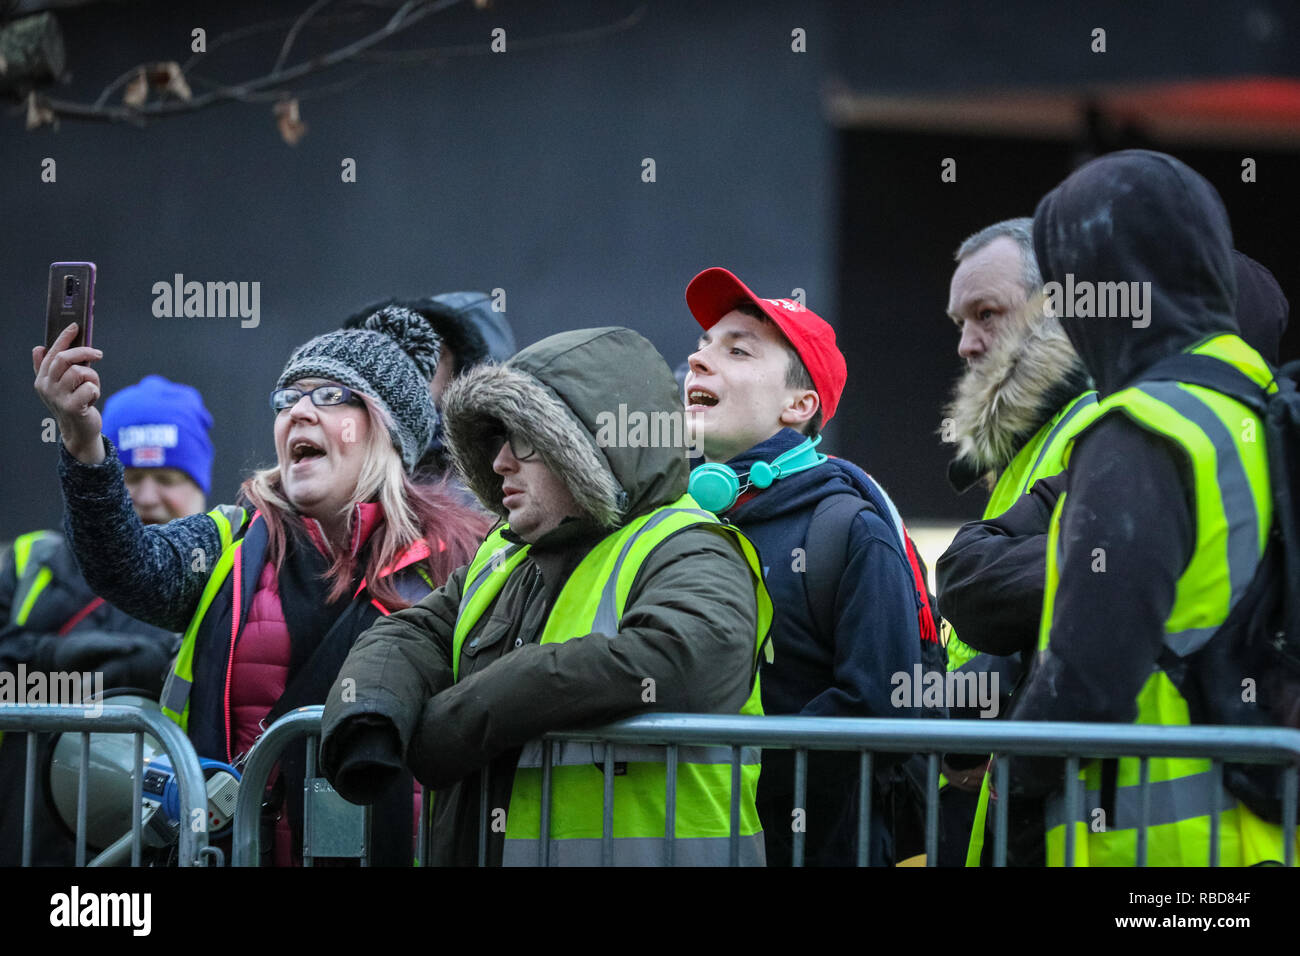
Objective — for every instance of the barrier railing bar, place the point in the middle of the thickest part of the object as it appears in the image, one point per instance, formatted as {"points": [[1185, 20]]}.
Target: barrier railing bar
{"points": [[367, 834], [670, 800], [864, 807], [607, 824], [1216, 789], [83, 798], [932, 810], [1038, 738], [734, 858], [800, 803], [1290, 784], [1001, 783], [308, 860], [1073, 804], [544, 829], [29, 797], [422, 830], [137, 797], [1144, 792], [482, 815]]}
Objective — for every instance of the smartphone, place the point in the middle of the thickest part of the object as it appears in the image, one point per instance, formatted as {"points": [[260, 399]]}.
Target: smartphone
{"points": [[71, 298]]}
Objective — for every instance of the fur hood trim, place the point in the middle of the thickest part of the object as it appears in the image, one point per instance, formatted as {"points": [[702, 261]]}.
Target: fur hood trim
{"points": [[1000, 404], [488, 395]]}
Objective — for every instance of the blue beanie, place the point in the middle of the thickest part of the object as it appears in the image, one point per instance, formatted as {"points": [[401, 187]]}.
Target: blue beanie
{"points": [[160, 424]]}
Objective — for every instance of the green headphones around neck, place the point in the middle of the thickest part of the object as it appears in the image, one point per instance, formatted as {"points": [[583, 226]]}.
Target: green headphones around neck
{"points": [[716, 486]]}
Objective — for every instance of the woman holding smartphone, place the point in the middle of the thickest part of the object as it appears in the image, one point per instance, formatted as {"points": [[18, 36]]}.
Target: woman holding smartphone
{"points": [[270, 594]]}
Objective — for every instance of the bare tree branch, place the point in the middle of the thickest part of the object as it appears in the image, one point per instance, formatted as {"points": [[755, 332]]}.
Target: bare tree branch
{"points": [[298, 24], [528, 43], [276, 86], [409, 14]]}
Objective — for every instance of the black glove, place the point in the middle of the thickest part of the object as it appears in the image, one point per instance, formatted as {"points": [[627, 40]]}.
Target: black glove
{"points": [[362, 758]]}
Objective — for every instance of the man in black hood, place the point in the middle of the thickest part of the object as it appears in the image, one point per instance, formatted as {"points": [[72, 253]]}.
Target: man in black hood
{"points": [[473, 331], [1262, 308], [1129, 562]]}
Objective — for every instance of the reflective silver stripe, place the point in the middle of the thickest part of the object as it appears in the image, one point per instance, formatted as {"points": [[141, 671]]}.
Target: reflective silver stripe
{"points": [[175, 693], [1238, 502], [1172, 801], [607, 620], [483, 572], [1078, 406], [1188, 641], [234, 517], [572, 753], [482, 576], [639, 851]]}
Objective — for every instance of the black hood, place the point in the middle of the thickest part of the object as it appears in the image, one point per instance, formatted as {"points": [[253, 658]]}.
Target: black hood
{"points": [[466, 321], [475, 331], [1262, 308], [1144, 217]]}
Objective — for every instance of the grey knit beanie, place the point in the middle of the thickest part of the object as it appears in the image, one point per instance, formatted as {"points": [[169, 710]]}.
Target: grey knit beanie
{"points": [[391, 361]]}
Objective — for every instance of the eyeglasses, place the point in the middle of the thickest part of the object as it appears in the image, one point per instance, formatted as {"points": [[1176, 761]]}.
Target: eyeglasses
{"points": [[522, 448], [321, 395]]}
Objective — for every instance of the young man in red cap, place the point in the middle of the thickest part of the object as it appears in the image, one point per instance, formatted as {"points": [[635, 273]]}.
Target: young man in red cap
{"points": [[850, 602]]}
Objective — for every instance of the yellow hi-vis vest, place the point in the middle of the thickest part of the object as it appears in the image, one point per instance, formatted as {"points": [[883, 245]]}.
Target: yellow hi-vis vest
{"points": [[31, 577], [592, 601], [1224, 443], [175, 703]]}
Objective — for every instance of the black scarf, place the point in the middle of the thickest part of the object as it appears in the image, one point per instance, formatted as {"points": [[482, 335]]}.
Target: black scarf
{"points": [[320, 636], [303, 589]]}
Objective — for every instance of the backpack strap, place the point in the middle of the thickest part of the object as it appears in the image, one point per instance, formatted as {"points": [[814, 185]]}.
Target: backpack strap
{"points": [[1212, 373], [824, 569]]}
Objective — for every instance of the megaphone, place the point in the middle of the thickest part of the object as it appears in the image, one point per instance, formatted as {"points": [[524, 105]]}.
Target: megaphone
{"points": [[110, 786]]}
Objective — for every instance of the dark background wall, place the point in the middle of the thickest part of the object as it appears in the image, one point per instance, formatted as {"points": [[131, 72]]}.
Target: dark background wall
{"points": [[522, 171], [895, 262]]}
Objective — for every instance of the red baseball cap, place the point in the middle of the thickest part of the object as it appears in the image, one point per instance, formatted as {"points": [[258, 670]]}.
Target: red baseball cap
{"points": [[715, 292]]}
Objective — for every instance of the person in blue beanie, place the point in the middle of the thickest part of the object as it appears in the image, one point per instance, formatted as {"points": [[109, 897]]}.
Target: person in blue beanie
{"points": [[161, 431], [51, 621]]}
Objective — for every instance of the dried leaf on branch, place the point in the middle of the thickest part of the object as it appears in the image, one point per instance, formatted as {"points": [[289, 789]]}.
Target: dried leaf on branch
{"points": [[39, 112], [166, 77], [292, 128]]}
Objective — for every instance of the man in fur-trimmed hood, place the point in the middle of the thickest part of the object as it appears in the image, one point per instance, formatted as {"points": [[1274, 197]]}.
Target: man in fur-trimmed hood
{"points": [[567, 442], [1021, 368], [1024, 391]]}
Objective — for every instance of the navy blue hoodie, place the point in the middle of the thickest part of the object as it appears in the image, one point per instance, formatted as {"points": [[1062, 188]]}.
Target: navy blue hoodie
{"points": [[846, 674]]}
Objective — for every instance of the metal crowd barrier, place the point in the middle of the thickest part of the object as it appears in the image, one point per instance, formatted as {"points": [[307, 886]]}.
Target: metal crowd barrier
{"points": [[1071, 741], [332, 827], [112, 719]]}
